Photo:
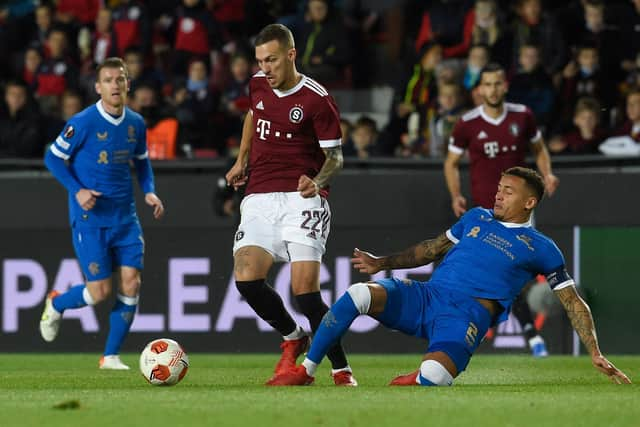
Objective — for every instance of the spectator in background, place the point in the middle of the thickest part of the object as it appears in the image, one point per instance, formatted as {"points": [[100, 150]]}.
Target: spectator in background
{"points": [[363, 141], [533, 26], [202, 104], [235, 99], [583, 77], [196, 35], [587, 135], [629, 18], [20, 134], [44, 22], [31, 62], [162, 127], [103, 43], [138, 72], [532, 86], [448, 110], [132, 26], [446, 21], [603, 35], [323, 44], [477, 58], [78, 12], [71, 103], [484, 26], [414, 96], [56, 74], [631, 126], [490, 29]]}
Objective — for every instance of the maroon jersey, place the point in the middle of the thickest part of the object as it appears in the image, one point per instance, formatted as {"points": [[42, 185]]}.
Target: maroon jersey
{"points": [[291, 129], [494, 145], [629, 129]]}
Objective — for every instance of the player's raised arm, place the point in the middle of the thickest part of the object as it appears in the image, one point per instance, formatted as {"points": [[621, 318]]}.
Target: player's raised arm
{"points": [[582, 322], [423, 253], [237, 175], [333, 162]]}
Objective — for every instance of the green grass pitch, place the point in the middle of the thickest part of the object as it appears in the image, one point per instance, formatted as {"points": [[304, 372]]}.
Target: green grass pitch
{"points": [[227, 390]]}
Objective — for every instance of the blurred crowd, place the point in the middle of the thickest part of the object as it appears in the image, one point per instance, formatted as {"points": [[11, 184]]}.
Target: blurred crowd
{"points": [[576, 64]]}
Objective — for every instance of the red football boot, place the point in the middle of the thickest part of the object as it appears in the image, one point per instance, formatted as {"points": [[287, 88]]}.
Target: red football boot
{"points": [[294, 376], [408, 379], [344, 378], [291, 349]]}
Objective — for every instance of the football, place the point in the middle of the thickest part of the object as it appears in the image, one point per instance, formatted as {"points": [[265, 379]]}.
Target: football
{"points": [[163, 362]]}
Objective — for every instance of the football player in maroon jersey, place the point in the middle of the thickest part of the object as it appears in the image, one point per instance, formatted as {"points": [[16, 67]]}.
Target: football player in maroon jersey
{"points": [[289, 151], [497, 135]]}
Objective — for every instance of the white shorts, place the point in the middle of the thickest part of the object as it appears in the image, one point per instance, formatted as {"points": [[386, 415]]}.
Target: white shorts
{"points": [[288, 226]]}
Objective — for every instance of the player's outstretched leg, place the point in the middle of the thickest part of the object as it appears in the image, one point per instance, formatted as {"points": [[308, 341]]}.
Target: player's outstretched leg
{"points": [[334, 325], [77, 296], [120, 320], [522, 312], [312, 306]]}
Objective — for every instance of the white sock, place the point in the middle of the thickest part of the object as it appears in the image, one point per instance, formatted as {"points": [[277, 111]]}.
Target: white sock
{"points": [[310, 366], [295, 335]]}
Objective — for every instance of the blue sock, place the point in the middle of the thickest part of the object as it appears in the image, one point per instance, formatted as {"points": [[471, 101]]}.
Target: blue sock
{"points": [[333, 326], [73, 298], [120, 321]]}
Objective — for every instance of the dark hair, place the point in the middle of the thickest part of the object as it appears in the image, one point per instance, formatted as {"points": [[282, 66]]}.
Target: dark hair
{"points": [[532, 178], [368, 122], [113, 62], [595, 3], [491, 67], [133, 50], [635, 90], [277, 32], [17, 83], [587, 103], [531, 43]]}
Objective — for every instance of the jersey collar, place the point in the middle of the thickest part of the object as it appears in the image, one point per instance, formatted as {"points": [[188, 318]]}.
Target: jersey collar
{"points": [[297, 87], [491, 120], [516, 224], [108, 117]]}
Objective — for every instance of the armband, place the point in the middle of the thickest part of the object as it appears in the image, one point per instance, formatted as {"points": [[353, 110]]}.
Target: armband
{"points": [[559, 278]]}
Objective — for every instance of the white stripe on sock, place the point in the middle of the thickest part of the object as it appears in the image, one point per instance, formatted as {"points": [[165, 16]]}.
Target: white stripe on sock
{"points": [[87, 296], [128, 300]]}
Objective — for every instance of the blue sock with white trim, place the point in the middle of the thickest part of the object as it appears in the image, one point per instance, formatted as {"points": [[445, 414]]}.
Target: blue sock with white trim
{"points": [[120, 321], [333, 326], [76, 296]]}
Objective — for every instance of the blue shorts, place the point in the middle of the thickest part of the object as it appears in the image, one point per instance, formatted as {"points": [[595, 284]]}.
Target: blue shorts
{"points": [[452, 322], [101, 249]]}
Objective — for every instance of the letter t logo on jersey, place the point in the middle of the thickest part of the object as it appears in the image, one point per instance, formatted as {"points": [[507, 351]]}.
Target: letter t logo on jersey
{"points": [[262, 128], [491, 149]]}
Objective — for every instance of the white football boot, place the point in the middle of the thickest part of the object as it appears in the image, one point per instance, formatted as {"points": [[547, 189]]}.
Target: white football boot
{"points": [[50, 320], [113, 362]]}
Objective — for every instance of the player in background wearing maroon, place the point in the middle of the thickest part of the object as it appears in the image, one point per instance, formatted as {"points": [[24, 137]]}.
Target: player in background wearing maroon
{"points": [[497, 135], [289, 151]]}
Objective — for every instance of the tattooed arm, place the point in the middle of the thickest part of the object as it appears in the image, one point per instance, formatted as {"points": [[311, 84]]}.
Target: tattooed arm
{"points": [[582, 322], [421, 254], [309, 187]]}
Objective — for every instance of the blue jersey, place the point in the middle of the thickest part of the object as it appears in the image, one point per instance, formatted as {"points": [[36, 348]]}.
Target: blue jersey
{"points": [[98, 149], [494, 260]]}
